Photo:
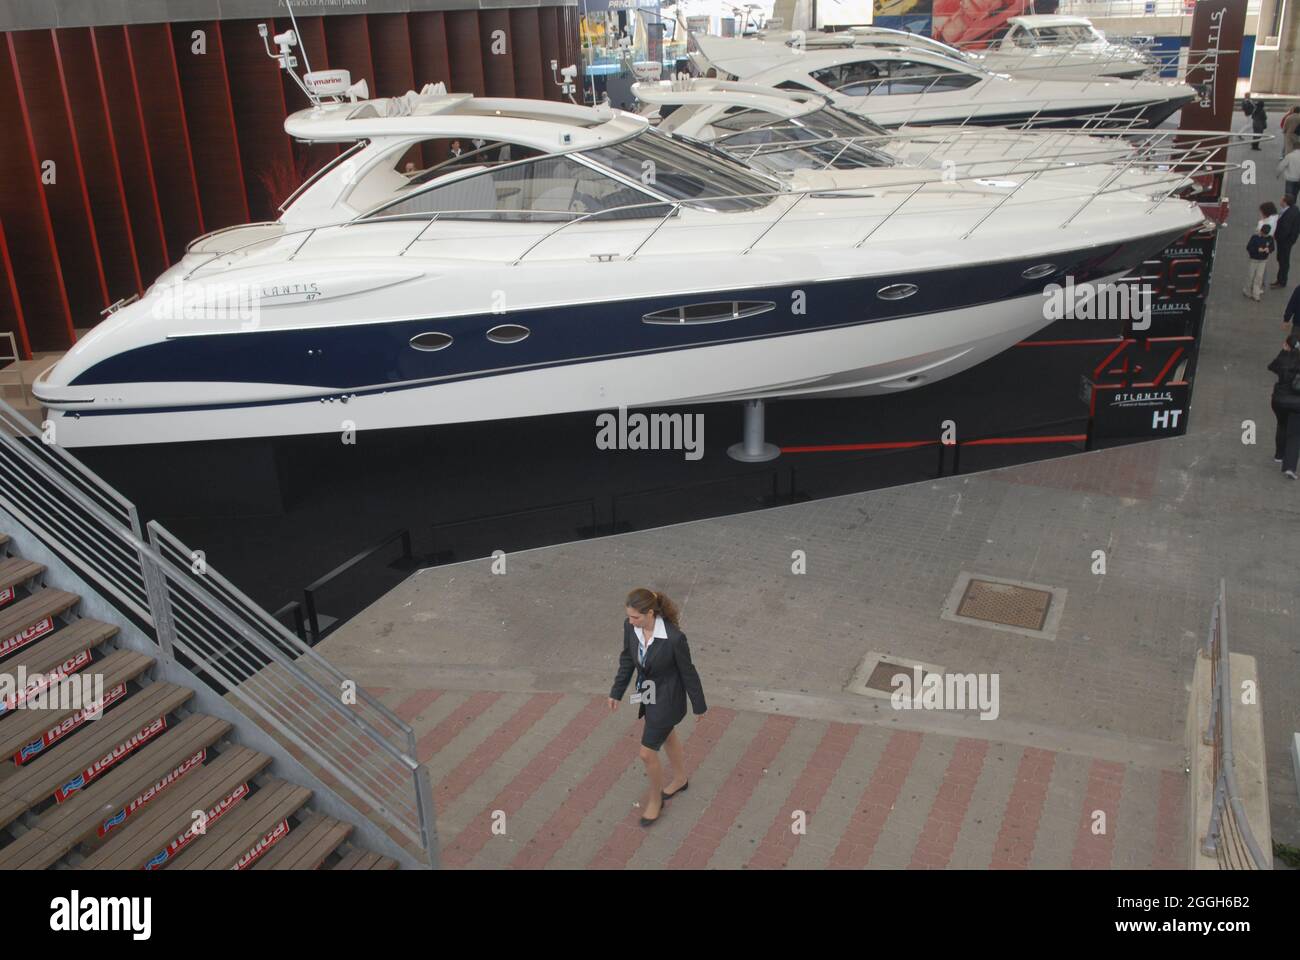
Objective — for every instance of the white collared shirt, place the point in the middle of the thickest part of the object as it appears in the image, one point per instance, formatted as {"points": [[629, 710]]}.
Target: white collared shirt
{"points": [[660, 632]]}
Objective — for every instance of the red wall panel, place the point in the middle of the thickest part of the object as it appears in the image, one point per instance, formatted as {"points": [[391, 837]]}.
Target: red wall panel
{"points": [[113, 69], [526, 51], [205, 90], [466, 59], [347, 38], [429, 54], [548, 33], [497, 47], [101, 165], [258, 100], [11, 308], [26, 217], [162, 111], [390, 49], [41, 98]]}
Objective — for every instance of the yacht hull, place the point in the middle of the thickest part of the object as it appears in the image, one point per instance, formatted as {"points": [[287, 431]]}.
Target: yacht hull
{"points": [[852, 336]]}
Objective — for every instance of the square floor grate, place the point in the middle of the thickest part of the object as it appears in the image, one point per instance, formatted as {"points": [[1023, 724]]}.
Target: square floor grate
{"points": [[882, 677], [1005, 604], [1013, 606]]}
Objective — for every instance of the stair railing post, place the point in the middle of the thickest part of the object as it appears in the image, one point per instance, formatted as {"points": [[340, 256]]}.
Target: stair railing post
{"points": [[160, 607]]}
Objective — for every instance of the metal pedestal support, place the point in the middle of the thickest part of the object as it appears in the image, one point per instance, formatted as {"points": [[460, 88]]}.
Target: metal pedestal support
{"points": [[754, 448]]}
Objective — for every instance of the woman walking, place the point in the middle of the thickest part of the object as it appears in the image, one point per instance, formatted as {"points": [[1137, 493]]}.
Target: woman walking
{"points": [[656, 649], [1286, 406]]}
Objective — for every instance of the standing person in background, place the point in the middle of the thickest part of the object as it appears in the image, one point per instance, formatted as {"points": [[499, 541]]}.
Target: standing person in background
{"points": [[1286, 406], [1267, 216], [1289, 168], [656, 649], [1291, 131], [1288, 231], [1258, 120], [1259, 248], [1291, 316]]}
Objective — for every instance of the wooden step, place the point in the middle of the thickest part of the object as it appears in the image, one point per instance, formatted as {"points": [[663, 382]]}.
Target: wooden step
{"points": [[38, 780], [22, 727], [15, 571], [149, 832], [236, 834], [30, 611], [60, 829], [60, 646], [307, 846], [365, 860]]}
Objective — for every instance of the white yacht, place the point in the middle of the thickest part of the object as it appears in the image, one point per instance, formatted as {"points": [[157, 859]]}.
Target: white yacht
{"points": [[896, 85], [576, 259], [1064, 47]]}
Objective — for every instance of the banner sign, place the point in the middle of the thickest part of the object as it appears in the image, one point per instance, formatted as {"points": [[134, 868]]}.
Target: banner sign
{"points": [[22, 688], [110, 759], [274, 836], [169, 852], [20, 640], [61, 730], [117, 819]]}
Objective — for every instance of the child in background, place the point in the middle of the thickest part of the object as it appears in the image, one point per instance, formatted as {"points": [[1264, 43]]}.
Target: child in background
{"points": [[1259, 248]]}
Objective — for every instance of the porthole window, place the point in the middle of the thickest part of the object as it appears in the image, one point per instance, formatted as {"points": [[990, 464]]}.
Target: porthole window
{"points": [[1038, 272], [896, 291], [430, 342], [715, 312], [508, 333]]}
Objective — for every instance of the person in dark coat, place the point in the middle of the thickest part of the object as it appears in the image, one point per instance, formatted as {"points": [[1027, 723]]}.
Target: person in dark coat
{"points": [[1258, 120], [656, 649], [1291, 316], [1286, 234], [1286, 406]]}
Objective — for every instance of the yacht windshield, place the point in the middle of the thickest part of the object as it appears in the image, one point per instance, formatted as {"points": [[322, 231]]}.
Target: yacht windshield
{"points": [[1066, 33], [825, 138], [681, 172]]}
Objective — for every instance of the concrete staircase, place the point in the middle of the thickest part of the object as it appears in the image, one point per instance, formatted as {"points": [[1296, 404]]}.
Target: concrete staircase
{"points": [[148, 782]]}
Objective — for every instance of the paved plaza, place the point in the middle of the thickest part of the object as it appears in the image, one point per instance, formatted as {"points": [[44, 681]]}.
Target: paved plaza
{"points": [[504, 676]]}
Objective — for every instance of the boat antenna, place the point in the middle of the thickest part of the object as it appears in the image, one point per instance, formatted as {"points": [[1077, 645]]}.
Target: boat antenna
{"points": [[294, 20]]}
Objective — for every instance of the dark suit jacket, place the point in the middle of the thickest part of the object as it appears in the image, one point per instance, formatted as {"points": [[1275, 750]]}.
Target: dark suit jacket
{"points": [[668, 665], [1288, 227]]}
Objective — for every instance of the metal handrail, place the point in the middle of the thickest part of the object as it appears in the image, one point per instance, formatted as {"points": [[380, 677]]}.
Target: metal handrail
{"points": [[1168, 166], [206, 620], [1227, 807], [309, 591]]}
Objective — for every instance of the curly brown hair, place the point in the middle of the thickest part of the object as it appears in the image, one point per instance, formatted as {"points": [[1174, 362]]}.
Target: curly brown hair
{"points": [[644, 600]]}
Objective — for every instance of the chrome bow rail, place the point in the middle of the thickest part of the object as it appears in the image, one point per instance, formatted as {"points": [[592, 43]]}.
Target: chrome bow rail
{"points": [[201, 620]]}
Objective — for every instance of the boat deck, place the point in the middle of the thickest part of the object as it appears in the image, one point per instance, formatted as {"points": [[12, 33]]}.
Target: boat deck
{"points": [[504, 676]]}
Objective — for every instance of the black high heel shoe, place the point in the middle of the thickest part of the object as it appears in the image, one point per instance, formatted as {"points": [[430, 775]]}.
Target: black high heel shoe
{"points": [[681, 789]]}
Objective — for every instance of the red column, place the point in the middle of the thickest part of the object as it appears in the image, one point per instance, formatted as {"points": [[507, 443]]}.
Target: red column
{"points": [[390, 48], [497, 46], [466, 60], [257, 97], [11, 307], [526, 51]]}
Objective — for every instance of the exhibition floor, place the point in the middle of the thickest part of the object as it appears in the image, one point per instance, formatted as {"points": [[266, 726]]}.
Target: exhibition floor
{"points": [[504, 676]]}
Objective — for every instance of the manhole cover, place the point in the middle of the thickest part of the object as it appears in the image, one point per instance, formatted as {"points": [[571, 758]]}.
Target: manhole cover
{"points": [[1013, 606], [882, 678], [1005, 603]]}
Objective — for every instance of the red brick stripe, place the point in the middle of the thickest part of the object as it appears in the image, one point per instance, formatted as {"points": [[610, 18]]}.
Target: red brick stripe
{"points": [[712, 826], [873, 809], [943, 825], [414, 705], [1171, 810], [1105, 784], [584, 798], [780, 843], [526, 783], [628, 833], [1015, 841], [441, 735], [490, 750]]}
